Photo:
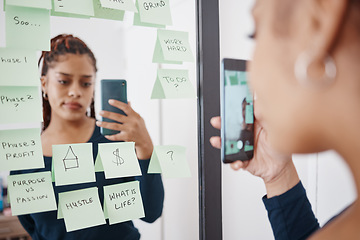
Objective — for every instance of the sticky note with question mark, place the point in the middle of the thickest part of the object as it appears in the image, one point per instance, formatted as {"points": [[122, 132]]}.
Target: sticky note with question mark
{"points": [[170, 160], [123, 202], [20, 105], [173, 83]]}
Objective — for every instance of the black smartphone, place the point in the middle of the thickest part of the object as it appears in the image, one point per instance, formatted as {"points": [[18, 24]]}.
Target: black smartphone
{"points": [[237, 112], [112, 89]]}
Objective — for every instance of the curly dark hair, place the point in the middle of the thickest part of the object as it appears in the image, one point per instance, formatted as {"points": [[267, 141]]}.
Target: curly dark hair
{"points": [[61, 45]]}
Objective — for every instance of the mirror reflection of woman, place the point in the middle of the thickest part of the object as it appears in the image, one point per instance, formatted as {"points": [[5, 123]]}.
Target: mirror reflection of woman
{"points": [[68, 83], [305, 72]]}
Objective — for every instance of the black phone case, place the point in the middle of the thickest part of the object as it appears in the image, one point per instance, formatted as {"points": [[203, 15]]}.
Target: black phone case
{"points": [[112, 89], [236, 65]]}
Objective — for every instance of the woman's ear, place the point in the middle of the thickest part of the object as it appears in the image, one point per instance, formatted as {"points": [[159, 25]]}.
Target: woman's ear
{"points": [[327, 19], [43, 80]]}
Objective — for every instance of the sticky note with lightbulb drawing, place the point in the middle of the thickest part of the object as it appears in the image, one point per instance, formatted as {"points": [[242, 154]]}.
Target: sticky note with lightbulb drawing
{"points": [[170, 160], [123, 202], [173, 84]]}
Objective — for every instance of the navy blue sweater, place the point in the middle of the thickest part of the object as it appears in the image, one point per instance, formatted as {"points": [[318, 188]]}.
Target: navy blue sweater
{"points": [[290, 214], [46, 226]]}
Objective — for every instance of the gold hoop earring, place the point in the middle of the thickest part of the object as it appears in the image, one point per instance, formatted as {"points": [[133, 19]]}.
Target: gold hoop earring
{"points": [[302, 66]]}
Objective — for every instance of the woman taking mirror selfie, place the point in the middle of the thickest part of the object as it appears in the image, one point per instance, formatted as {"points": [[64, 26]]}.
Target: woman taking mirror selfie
{"points": [[305, 73], [68, 83]]}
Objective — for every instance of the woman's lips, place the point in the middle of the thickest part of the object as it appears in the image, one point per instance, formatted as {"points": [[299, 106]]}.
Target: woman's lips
{"points": [[73, 105]]}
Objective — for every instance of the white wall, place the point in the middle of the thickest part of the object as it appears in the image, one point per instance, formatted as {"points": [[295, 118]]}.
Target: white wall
{"points": [[125, 51], [325, 176]]}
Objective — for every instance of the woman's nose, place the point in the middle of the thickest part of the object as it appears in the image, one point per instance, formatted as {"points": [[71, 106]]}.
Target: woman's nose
{"points": [[74, 92]]}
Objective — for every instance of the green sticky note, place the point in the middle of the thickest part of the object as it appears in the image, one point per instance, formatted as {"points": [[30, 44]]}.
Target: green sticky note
{"points": [[122, 202], [107, 13], [233, 78], [249, 114], [81, 7], [81, 209], [106, 215], [27, 28], [20, 105], [18, 67], [154, 12], [126, 5], [65, 14], [73, 163], [172, 46], [173, 83], [21, 149], [31, 193], [158, 56], [172, 161], [60, 214], [33, 3], [52, 172], [118, 160], [138, 22], [98, 164], [248, 148], [231, 147], [249, 96]]}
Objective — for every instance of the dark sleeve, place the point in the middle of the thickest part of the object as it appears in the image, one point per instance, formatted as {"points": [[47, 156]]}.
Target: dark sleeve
{"points": [[152, 193], [290, 214], [28, 223]]}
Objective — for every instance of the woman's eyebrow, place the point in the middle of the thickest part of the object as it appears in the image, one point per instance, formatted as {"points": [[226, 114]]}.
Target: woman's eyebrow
{"points": [[70, 75]]}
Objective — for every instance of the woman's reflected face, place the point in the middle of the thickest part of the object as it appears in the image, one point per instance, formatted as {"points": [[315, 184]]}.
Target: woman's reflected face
{"points": [[69, 84]]}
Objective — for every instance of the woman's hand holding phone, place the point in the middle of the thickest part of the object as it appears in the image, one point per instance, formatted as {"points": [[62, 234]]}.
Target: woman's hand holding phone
{"points": [[276, 169], [132, 128]]}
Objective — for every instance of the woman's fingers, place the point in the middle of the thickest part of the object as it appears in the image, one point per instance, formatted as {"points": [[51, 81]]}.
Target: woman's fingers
{"points": [[215, 141], [239, 165], [113, 116], [117, 137], [123, 106], [110, 125], [216, 122]]}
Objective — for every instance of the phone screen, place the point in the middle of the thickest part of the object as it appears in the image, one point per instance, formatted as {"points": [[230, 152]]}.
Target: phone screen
{"points": [[238, 116]]}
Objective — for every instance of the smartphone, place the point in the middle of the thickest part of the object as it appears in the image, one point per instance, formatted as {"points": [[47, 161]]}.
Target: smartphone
{"points": [[237, 112], [112, 89]]}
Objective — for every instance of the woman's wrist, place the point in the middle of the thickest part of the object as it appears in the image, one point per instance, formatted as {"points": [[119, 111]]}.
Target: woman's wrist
{"points": [[286, 180], [144, 151]]}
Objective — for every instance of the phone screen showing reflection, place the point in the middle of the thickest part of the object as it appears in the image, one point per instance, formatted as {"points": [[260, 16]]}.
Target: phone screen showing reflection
{"points": [[237, 112]]}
